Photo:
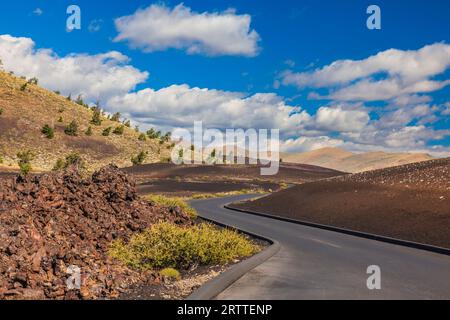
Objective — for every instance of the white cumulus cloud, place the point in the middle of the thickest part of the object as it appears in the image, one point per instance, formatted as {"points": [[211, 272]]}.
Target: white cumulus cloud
{"points": [[406, 72], [94, 76], [159, 28], [341, 120], [181, 105]]}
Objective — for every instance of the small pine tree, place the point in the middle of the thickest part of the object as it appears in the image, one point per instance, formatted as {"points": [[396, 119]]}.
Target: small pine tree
{"points": [[153, 134], [24, 162], [181, 154], [167, 137], [116, 117], [139, 159], [48, 131], [88, 131], [72, 129], [73, 158], [79, 100], [24, 86], [142, 137], [96, 117], [106, 132], [33, 80], [69, 97], [59, 165], [119, 130], [127, 123]]}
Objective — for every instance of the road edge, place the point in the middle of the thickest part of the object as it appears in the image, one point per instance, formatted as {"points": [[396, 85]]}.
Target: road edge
{"points": [[371, 236], [217, 285]]}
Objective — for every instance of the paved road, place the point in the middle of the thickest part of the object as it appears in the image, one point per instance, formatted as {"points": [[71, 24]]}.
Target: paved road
{"points": [[320, 264]]}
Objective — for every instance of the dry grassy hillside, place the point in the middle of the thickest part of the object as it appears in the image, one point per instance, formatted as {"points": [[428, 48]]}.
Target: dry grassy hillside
{"points": [[341, 160], [24, 112]]}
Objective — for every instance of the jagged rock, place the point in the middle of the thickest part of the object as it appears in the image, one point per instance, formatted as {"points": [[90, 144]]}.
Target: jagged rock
{"points": [[53, 221]]}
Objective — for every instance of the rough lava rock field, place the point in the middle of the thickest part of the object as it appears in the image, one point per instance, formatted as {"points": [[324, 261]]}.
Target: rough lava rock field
{"points": [[52, 221]]}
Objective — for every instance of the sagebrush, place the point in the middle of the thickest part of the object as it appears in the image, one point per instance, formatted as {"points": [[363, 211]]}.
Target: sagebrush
{"points": [[167, 245]]}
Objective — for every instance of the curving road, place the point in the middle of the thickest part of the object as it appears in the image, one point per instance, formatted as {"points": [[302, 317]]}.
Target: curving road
{"points": [[320, 264]]}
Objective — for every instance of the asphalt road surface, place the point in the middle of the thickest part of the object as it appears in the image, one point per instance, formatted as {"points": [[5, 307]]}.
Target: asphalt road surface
{"points": [[319, 264]]}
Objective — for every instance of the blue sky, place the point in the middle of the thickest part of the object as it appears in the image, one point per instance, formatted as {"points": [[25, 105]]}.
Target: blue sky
{"points": [[295, 36]]}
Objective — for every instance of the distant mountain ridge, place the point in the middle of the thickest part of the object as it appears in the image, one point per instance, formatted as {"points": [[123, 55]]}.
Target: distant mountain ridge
{"points": [[346, 161]]}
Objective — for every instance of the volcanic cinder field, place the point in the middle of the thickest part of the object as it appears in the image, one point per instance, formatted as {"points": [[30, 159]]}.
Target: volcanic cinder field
{"points": [[410, 202], [185, 180]]}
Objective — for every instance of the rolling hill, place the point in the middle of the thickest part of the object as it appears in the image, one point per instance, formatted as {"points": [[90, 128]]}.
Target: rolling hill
{"points": [[25, 108], [409, 202], [345, 161]]}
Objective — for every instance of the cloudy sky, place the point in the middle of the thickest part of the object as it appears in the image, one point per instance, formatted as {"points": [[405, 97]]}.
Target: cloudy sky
{"points": [[310, 68]]}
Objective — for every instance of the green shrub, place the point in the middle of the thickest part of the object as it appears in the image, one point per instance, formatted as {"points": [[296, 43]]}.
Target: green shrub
{"points": [[139, 159], [170, 273], [79, 100], [88, 131], [69, 97], [48, 131], [119, 130], [115, 117], [59, 165], [106, 132], [60, 119], [1, 159], [127, 123], [72, 158], [167, 137], [167, 245], [153, 134], [24, 86], [166, 160], [172, 203], [24, 162], [142, 137], [71, 129], [33, 80], [96, 117]]}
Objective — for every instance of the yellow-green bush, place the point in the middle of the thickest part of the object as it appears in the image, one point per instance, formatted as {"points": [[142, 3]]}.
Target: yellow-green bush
{"points": [[170, 273], [166, 245], [173, 203]]}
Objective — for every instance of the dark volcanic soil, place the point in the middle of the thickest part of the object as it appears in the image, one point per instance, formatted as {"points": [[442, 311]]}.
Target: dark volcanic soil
{"points": [[185, 188], [291, 173], [410, 202]]}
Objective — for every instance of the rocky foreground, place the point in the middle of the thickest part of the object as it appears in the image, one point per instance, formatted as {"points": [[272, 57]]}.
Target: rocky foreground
{"points": [[52, 224]]}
